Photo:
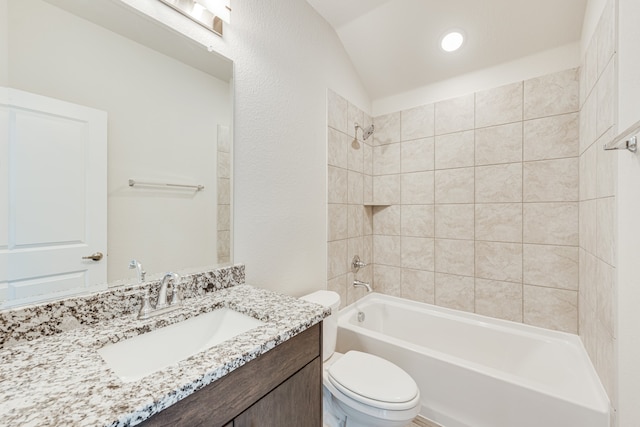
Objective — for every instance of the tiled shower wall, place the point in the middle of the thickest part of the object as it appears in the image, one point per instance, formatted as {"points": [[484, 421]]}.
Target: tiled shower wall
{"points": [[349, 228], [598, 171], [481, 202]]}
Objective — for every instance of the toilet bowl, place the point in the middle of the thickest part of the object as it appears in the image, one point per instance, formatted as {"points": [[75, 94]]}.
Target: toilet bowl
{"points": [[360, 389]]}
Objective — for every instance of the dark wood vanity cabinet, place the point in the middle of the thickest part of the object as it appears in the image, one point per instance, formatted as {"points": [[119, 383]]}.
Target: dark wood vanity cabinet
{"points": [[281, 388]]}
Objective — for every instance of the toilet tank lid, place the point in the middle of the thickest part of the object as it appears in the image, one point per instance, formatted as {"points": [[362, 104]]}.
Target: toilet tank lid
{"points": [[324, 298]]}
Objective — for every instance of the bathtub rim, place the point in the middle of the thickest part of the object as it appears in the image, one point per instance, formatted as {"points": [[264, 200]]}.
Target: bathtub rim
{"points": [[599, 402]]}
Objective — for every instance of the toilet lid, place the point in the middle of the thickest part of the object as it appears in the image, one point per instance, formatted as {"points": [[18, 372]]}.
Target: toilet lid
{"points": [[365, 377]]}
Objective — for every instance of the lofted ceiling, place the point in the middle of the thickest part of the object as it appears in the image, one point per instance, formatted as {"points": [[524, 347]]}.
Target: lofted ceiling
{"points": [[394, 44]]}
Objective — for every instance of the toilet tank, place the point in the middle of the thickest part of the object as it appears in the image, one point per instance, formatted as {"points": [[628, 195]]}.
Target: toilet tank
{"points": [[330, 325]]}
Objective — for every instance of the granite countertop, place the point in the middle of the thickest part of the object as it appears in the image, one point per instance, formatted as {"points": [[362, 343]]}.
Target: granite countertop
{"points": [[62, 380]]}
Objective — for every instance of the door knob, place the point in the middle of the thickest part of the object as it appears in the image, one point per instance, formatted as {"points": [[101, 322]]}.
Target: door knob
{"points": [[94, 257]]}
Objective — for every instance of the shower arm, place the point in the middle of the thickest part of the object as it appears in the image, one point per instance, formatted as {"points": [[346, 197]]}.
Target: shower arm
{"points": [[366, 133]]}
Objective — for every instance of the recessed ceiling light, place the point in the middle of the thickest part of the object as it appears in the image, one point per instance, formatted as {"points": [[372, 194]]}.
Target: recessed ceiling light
{"points": [[452, 41]]}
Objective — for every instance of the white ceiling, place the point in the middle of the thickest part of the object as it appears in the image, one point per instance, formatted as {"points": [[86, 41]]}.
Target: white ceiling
{"points": [[394, 44]]}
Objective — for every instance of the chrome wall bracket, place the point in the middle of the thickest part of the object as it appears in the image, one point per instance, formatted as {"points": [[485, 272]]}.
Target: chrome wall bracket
{"points": [[630, 144]]}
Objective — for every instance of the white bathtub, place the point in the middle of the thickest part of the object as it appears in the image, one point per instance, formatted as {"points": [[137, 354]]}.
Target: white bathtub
{"points": [[476, 371]]}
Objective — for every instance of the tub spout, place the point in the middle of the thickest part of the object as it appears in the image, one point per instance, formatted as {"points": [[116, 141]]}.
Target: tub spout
{"points": [[359, 283]]}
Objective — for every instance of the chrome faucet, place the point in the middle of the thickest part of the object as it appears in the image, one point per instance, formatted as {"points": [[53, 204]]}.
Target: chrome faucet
{"points": [[162, 305], [366, 285], [139, 271]]}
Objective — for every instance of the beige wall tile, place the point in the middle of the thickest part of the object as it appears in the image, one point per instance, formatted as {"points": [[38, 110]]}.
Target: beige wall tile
{"points": [[337, 111], [455, 115], [387, 129], [386, 189], [606, 92], [386, 220], [354, 115], [455, 292], [499, 105], [454, 257], [386, 250], [551, 308], [337, 228], [367, 159], [224, 245], [418, 253], [337, 148], [417, 155], [417, 188], [339, 285], [224, 165], [499, 183], [588, 121], [417, 122], [418, 285], [386, 159], [337, 258], [499, 222], [367, 250], [454, 185], [606, 294], [367, 214], [590, 67], [589, 280], [387, 279], [355, 185], [606, 168], [552, 137], [224, 217], [551, 180], [499, 261], [551, 266], [224, 191], [605, 234], [367, 191], [355, 155], [499, 144], [606, 34], [454, 221], [551, 223], [588, 173], [355, 246], [556, 93], [355, 223], [454, 150], [417, 220], [337, 185], [499, 299], [587, 226]]}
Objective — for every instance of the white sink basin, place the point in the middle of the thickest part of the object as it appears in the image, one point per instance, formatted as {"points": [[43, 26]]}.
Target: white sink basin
{"points": [[144, 354]]}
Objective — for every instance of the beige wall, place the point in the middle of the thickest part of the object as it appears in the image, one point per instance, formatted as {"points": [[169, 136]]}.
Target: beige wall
{"points": [[476, 202], [350, 221], [598, 168]]}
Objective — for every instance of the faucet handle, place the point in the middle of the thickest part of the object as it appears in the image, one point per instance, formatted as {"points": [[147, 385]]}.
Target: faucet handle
{"points": [[146, 306], [176, 297]]}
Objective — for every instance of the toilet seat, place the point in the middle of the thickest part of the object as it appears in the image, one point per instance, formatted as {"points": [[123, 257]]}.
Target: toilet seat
{"points": [[373, 381]]}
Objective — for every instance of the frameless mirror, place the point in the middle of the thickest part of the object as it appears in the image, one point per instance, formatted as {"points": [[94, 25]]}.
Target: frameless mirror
{"points": [[166, 103]]}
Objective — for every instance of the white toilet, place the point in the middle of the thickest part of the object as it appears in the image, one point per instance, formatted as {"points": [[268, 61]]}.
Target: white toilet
{"points": [[360, 389]]}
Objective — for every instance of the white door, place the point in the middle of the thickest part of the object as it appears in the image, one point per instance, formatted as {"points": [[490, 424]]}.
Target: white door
{"points": [[53, 181]]}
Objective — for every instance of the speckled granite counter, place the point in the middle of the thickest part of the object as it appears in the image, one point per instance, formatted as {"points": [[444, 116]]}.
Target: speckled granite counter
{"points": [[60, 380]]}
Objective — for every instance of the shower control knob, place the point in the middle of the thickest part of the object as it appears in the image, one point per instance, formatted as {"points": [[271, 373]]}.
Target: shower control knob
{"points": [[356, 264]]}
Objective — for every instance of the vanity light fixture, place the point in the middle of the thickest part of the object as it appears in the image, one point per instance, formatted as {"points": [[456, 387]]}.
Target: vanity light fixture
{"points": [[208, 13], [452, 41]]}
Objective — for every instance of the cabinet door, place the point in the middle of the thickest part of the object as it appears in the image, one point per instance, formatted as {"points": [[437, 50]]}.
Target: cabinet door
{"points": [[295, 403]]}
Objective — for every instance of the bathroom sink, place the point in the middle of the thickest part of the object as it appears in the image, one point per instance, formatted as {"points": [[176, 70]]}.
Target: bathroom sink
{"points": [[144, 354]]}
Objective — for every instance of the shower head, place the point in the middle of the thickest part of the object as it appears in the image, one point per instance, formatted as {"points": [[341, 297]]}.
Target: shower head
{"points": [[366, 133]]}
